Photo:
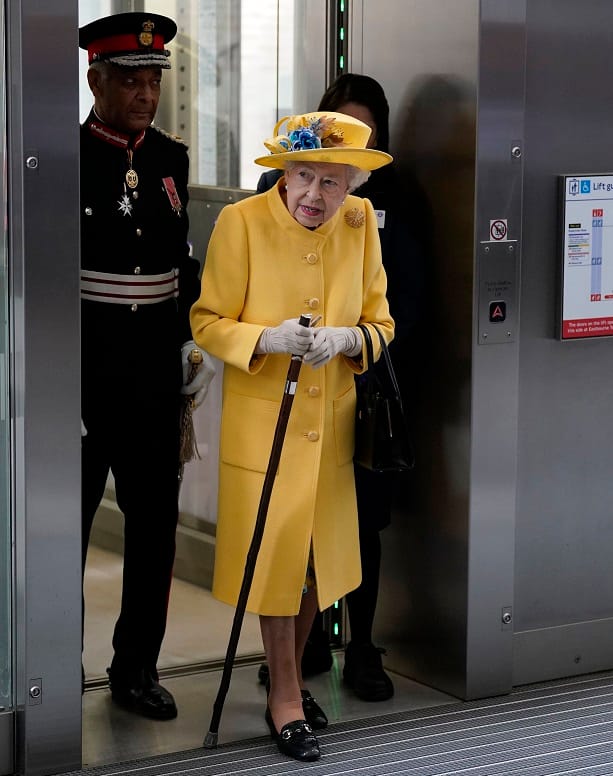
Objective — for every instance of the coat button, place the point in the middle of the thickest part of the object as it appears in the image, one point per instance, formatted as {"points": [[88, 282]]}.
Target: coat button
{"points": [[139, 232], [313, 303], [88, 211], [137, 270], [314, 390], [134, 308], [311, 258], [135, 195], [313, 436]]}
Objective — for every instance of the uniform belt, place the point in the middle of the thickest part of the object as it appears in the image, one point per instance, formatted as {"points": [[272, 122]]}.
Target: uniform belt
{"points": [[129, 289]]}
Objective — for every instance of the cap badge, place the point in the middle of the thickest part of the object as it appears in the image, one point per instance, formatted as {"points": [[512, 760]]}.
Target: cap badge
{"points": [[354, 218], [145, 38]]}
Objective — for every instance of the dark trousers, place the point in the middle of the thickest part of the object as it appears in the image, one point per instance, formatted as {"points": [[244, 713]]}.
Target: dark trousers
{"points": [[374, 497], [138, 441], [374, 493]]}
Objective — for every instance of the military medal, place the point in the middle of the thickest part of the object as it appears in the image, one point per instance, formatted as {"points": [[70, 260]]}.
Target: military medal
{"points": [[131, 175], [172, 194], [125, 206]]}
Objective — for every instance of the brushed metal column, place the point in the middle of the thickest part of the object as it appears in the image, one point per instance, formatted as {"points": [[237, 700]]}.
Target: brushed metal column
{"points": [[43, 148], [495, 353]]}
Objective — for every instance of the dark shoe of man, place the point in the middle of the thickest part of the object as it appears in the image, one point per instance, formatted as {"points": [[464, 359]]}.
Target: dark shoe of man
{"points": [[143, 695], [363, 672]]}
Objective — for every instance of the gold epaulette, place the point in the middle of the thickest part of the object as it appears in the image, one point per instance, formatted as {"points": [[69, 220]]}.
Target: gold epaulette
{"points": [[175, 138]]}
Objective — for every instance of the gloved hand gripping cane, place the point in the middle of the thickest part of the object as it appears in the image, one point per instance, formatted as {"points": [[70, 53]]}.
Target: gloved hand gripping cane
{"points": [[210, 740]]}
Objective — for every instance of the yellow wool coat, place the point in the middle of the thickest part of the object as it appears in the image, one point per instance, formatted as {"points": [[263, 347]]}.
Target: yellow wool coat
{"points": [[261, 268]]}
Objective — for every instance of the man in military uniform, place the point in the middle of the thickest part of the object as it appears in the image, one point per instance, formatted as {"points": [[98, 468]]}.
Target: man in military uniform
{"points": [[137, 286]]}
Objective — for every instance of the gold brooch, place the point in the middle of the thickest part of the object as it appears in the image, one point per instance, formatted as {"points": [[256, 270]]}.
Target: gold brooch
{"points": [[354, 218]]}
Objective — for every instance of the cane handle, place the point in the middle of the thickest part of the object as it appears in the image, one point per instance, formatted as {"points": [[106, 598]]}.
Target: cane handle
{"points": [[305, 319]]}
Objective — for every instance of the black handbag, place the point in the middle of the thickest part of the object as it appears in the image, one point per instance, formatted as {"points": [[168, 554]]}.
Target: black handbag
{"points": [[382, 442]]}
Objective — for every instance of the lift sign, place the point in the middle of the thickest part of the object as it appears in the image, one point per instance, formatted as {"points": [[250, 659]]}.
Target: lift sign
{"points": [[587, 271]]}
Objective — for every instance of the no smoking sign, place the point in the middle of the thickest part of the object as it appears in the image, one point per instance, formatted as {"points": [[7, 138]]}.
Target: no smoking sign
{"points": [[499, 230]]}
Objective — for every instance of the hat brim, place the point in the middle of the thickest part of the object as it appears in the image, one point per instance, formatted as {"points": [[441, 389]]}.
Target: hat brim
{"points": [[365, 158]]}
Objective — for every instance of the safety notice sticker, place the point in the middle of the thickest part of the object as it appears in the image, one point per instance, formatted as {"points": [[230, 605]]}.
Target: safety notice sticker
{"points": [[499, 230]]}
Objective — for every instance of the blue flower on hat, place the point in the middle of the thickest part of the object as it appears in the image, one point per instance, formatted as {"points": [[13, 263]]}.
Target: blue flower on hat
{"points": [[304, 139], [306, 133]]}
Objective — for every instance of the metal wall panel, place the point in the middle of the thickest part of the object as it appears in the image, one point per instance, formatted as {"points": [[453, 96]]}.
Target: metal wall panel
{"points": [[43, 142], [431, 88], [500, 546], [448, 556], [430, 81], [564, 575]]}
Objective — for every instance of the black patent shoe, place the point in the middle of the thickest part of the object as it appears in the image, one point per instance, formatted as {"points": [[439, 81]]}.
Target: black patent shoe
{"points": [[296, 739], [143, 695], [313, 713]]}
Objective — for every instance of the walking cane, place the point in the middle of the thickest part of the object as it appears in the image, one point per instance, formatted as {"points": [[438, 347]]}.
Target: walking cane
{"points": [[210, 740]]}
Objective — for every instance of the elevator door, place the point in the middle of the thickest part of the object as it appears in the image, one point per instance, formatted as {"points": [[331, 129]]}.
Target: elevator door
{"points": [[39, 413], [6, 675]]}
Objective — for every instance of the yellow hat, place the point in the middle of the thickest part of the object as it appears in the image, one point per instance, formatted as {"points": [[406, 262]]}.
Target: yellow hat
{"points": [[333, 138]]}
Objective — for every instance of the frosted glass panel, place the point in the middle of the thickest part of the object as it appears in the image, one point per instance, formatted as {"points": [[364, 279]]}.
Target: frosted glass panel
{"points": [[235, 67]]}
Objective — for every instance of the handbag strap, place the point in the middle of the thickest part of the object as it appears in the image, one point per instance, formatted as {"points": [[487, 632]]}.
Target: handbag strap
{"points": [[369, 349], [370, 375], [386, 358]]}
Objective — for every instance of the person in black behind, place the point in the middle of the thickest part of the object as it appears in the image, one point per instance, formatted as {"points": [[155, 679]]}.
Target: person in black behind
{"points": [[403, 229], [137, 286]]}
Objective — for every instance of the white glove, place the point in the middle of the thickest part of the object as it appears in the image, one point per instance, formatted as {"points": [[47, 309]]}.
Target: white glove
{"points": [[288, 337], [198, 387], [329, 341]]}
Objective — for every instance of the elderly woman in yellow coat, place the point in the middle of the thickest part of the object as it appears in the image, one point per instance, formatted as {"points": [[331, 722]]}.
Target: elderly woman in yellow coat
{"points": [[305, 246]]}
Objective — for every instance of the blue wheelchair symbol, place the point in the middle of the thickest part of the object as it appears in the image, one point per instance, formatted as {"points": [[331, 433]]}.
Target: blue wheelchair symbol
{"points": [[586, 186]]}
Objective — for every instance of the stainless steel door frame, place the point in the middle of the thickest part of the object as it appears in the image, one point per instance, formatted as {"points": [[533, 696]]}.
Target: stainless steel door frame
{"points": [[495, 353], [43, 149], [7, 711]]}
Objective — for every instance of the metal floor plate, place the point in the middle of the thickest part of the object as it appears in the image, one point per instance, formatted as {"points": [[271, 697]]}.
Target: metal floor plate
{"points": [[554, 729]]}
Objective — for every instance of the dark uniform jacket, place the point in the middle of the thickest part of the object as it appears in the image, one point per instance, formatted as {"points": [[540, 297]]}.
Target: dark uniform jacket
{"points": [[134, 232]]}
